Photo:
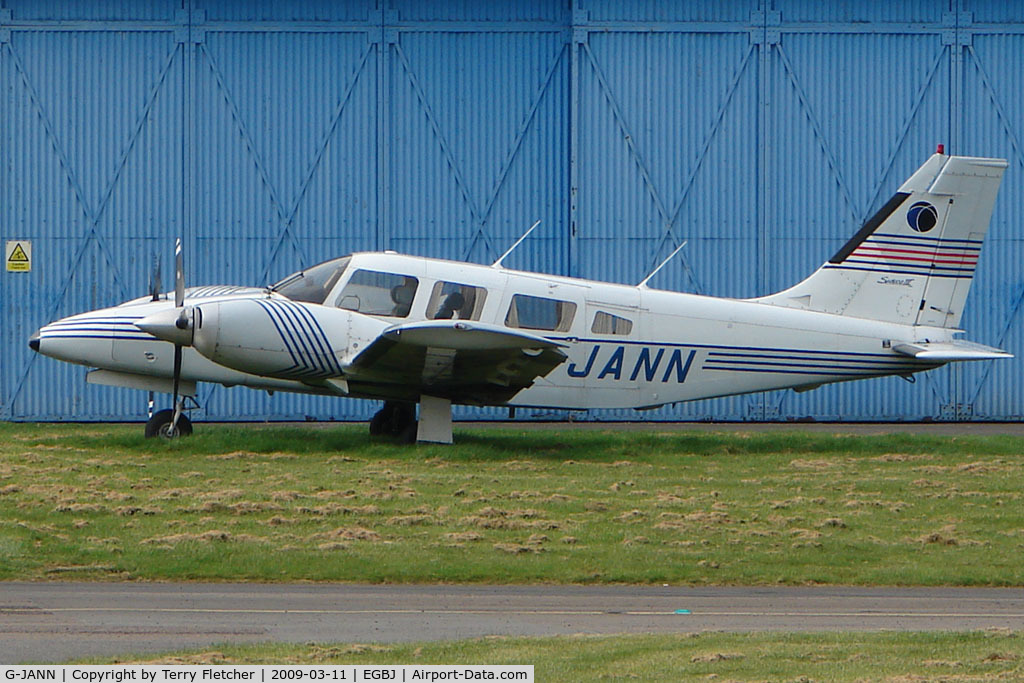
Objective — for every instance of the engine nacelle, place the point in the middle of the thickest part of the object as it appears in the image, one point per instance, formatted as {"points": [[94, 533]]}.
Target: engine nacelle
{"points": [[276, 337]]}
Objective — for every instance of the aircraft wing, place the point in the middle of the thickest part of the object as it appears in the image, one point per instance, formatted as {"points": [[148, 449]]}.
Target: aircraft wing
{"points": [[943, 352], [465, 361]]}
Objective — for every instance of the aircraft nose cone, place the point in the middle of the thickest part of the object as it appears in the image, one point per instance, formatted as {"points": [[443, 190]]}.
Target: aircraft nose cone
{"points": [[33, 341]]}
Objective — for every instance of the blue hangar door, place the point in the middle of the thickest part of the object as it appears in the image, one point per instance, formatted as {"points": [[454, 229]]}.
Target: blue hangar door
{"points": [[275, 135]]}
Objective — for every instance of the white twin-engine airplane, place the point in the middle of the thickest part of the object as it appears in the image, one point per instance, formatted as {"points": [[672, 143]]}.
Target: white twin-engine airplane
{"points": [[408, 330]]}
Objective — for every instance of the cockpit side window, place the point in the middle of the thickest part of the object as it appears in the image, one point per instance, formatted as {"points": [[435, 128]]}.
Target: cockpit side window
{"points": [[313, 284], [454, 301], [375, 293]]}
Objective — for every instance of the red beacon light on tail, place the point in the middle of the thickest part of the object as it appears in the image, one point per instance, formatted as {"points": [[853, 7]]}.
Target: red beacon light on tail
{"points": [[941, 149]]}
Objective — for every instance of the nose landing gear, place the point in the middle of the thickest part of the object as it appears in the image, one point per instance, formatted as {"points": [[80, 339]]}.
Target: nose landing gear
{"points": [[162, 425]]}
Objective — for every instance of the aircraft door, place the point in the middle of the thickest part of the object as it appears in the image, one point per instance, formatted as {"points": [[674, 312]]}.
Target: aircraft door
{"points": [[554, 310], [607, 352]]}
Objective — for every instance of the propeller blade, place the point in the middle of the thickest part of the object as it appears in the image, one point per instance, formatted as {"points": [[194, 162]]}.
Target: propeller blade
{"points": [[179, 275]]}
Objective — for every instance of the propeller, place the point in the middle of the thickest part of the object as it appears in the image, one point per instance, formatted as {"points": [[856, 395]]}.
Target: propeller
{"points": [[182, 323], [173, 325]]}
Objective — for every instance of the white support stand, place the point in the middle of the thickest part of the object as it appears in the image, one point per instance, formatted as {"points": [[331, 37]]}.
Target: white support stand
{"points": [[435, 420]]}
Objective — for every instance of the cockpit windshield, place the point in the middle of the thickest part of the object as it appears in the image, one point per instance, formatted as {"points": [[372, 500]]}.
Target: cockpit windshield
{"points": [[313, 284]]}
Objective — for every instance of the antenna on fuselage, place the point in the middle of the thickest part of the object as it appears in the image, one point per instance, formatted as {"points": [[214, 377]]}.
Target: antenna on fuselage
{"points": [[497, 264], [643, 283], [154, 280]]}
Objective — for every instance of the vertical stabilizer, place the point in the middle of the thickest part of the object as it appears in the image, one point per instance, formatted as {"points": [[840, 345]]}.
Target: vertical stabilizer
{"points": [[913, 261]]}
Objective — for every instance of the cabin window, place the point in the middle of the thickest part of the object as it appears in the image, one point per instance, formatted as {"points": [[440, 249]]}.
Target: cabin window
{"points": [[375, 293], [539, 313], [606, 323], [313, 284], [454, 301]]}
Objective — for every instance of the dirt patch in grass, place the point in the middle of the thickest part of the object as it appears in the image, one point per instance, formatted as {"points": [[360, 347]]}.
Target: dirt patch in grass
{"points": [[338, 509], [246, 455], [79, 508], [983, 467], [1000, 657], [511, 524], [517, 548], [631, 516], [352, 533], [817, 464], [715, 657], [280, 521], [132, 510], [244, 507], [211, 536], [410, 520], [82, 570], [701, 517]]}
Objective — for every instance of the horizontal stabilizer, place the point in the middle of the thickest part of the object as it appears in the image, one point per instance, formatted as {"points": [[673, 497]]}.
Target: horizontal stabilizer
{"points": [[950, 351]]}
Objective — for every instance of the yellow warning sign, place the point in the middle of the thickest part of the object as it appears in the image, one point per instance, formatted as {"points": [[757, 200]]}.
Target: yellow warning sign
{"points": [[18, 254]]}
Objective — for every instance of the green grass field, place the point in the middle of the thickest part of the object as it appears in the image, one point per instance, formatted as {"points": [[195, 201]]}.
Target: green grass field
{"points": [[327, 503], [971, 656]]}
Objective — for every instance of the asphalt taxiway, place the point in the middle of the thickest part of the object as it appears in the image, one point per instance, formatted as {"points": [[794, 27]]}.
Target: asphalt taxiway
{"points": [[55, 622]]}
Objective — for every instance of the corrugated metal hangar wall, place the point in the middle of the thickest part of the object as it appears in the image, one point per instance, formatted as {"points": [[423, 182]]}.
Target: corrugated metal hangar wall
{"points": [[273, 135]]}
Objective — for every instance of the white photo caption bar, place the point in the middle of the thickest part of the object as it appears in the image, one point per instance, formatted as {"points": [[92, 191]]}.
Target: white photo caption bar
{"points": [[284, 673]]}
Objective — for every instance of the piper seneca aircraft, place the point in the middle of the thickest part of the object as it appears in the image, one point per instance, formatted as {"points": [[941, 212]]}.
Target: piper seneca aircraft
{"points": [[410, 330]]}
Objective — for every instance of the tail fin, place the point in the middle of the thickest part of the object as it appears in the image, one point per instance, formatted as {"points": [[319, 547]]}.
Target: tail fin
{"points": [[913, 261]]}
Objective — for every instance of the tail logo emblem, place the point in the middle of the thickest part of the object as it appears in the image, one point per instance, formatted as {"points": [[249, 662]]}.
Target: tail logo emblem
{"points": [[922, 217]]}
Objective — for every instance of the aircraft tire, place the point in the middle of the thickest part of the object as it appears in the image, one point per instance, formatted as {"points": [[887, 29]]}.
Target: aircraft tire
{"points": [[160, 425], [386, 421], [379, 421], [408, 435], [393, 419], [403, 417]]}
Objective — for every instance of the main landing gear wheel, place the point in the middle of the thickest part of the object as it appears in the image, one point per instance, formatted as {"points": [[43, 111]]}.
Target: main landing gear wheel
{"points": [[394, 419], [160, 425], [408, 434]]}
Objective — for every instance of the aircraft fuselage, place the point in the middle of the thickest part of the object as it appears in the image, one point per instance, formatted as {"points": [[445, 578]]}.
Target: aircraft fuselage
{"points": [[626, 347]]}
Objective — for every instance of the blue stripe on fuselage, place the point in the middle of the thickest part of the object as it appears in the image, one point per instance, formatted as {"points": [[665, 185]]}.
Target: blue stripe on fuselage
{"points": [[661, 361]]}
